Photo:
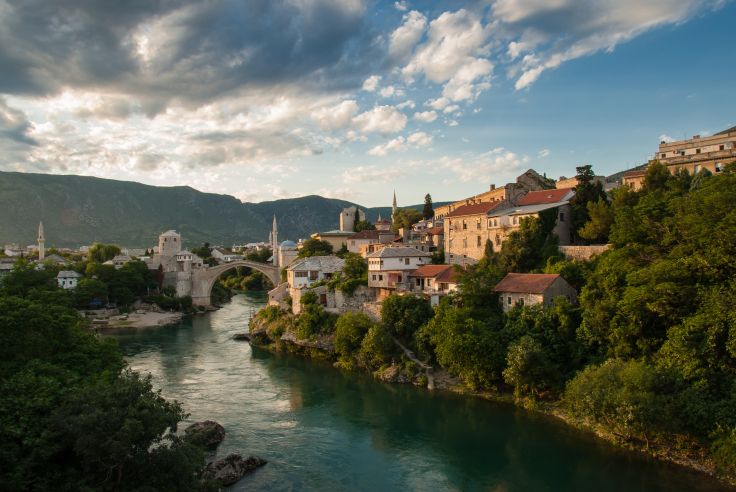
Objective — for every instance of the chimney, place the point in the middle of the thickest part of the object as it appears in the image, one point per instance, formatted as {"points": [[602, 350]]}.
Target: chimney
{"points": [[493, 187]]}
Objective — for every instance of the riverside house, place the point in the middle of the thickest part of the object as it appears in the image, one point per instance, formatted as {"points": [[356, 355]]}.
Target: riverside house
{"points": [[389, 268], [528, 289]]}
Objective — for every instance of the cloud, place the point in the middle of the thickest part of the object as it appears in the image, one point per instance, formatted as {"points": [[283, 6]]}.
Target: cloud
{"points": [[184, 50], [416, 140], [371, 83], [543, 153], [403, 40], [546, 34], [381, 119], [368, 174], [388, 91], [406, 104], [401, 5], [14, 126], [426, 116], [454, 55], [480, 167], [335, 117]]}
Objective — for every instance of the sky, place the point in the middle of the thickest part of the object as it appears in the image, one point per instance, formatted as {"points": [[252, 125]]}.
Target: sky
{"points": [[353, 99]]}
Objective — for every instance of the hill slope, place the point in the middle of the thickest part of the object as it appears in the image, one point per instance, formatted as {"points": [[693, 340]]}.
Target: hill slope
{"points": [[77, 210]]}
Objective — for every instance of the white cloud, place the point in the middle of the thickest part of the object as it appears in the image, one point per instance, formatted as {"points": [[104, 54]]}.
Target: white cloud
{"points": [[381, 119], [451, 109], [406, 104], [401, 5], [419, 139], [371, 83], [454, 55], [335, 117], [439, 103], [367, 174], [405, 37], [482, 167], [426, 116], [388, 91], [552, 32], [543, 153], [397, 143]]}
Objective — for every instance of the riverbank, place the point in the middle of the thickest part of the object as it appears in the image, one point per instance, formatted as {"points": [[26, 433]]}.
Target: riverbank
{"points": [[138, 320], [279, 335]]}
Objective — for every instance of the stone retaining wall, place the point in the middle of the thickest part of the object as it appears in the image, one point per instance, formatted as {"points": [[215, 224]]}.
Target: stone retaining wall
{"points": [[583, 252]]}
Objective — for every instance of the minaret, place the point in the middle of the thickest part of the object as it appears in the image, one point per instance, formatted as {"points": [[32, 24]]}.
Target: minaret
{"points": [[41, 241], [394, 209], [274, 242]]}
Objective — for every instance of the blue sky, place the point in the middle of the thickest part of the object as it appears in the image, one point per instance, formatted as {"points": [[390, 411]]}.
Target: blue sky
{"points": [[353, 99]]}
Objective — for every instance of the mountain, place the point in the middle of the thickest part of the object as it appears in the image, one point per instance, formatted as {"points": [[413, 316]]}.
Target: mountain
{"points": [[78, 210]]}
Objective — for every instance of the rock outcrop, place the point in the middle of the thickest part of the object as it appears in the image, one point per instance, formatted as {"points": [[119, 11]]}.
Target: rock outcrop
{"points": [[231, 468], [207, 434]]}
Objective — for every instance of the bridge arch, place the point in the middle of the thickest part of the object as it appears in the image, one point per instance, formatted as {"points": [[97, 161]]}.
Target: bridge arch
{"points": [[204, 279]]}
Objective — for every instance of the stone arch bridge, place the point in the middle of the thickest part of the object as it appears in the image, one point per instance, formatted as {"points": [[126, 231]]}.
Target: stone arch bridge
{"points": [[204, 278]]}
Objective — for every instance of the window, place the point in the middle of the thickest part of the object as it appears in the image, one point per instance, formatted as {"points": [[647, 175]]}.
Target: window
{"points": [[374, 277], [399, 279], [516, 220], [465, 226], [719, 167], [380, 278], [419, 282], [406, 261], [509, 300], [697, 151], [498, 240], [478, 242], [682, 152], [562, 216], [663, 155], [313, 274], [697, 168], [722, 147], [520, 302], [300, 274], [477, 225]]}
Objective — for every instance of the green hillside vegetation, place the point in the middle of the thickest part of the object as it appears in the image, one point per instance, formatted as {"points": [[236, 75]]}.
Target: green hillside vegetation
{"points": [[78, 210]]}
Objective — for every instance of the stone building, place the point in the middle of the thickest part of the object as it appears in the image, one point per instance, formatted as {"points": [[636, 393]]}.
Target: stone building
{"points": [[288, 252], [712, 153], [68, 279], [349, 217], [389, 268], [357, 242], [466, 224], [175, 265], [528, 289], [337, 239], [312, 269], [434, 281]]}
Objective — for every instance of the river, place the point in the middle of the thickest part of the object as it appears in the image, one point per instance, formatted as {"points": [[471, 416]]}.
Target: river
{"points": [[322, 429]]}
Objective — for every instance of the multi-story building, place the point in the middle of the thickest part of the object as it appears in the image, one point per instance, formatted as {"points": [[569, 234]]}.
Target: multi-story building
{"points": [[434, 281], [712, 153], [364, 238], [466, 228], [389, 268], [312, 269]]}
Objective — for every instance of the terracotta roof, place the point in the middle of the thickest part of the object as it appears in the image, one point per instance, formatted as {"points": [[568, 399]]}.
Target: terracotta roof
{"points": [[436, 231], [544, 196], [474, 209], [430, 271], [449, 276], [527, 283]]}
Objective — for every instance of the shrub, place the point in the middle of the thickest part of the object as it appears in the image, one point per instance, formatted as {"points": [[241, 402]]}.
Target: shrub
{"points": [[349, 332]]}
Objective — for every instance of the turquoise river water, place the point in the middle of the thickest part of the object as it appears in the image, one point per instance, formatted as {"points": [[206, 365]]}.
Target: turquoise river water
{"points": [[322, 429]]}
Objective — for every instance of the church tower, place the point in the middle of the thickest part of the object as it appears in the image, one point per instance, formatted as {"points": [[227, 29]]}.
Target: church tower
{"points": [[394, 209], [275, 242], [41, 242]]}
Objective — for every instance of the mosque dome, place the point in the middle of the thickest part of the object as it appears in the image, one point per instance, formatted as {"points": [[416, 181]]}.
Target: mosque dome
{"points": [[288, 244]]}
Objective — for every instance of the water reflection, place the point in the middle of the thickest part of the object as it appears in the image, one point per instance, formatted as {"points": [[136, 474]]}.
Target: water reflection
{"points": [[322, 429]]}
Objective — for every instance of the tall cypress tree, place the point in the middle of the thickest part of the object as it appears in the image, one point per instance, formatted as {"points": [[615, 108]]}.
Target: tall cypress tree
{"points": [[428, 211]]}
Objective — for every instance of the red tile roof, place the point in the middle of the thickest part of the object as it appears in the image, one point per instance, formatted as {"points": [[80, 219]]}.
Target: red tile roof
{"points": [[474, 209], [370, 234], [527, 283], [544, 196], [436, 231], [449, 276], [430, 271]]}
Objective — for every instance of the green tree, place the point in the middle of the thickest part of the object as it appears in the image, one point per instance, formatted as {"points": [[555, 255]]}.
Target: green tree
{"points": [[587, 190], [528, 369], [405, 218], [364, 225], [315, 247], [597, 228], [350, 330], [89, 290], [403, 315], [428, 210], [101, 253], [377, 348]]}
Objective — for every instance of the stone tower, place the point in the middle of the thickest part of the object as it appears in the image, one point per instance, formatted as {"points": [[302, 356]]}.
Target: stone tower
{"points": [[349, 217], [41, 242], [275, 242], [394, 209], [169, 243]]}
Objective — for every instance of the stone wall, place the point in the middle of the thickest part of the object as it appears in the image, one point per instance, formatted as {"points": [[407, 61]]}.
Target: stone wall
{"points": [[583, 252], [335, 301]]}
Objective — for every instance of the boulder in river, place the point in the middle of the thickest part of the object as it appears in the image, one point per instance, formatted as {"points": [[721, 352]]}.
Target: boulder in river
{"points": [[231, 468], [207, 434], [242, 337]]}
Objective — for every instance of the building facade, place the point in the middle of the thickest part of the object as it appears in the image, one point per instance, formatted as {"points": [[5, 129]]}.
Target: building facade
{"points": [[712, 153], [389, 268], [529, 289]]}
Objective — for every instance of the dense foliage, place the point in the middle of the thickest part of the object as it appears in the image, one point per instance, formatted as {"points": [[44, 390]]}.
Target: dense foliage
{"points": [[315, 247], [72, 416]]}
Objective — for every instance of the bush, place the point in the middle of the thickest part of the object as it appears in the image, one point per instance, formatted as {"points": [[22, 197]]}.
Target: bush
{"points": [[528, 369], [628, 398], [403, 315], [377, 347], [349, 332], [314, 320]]}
